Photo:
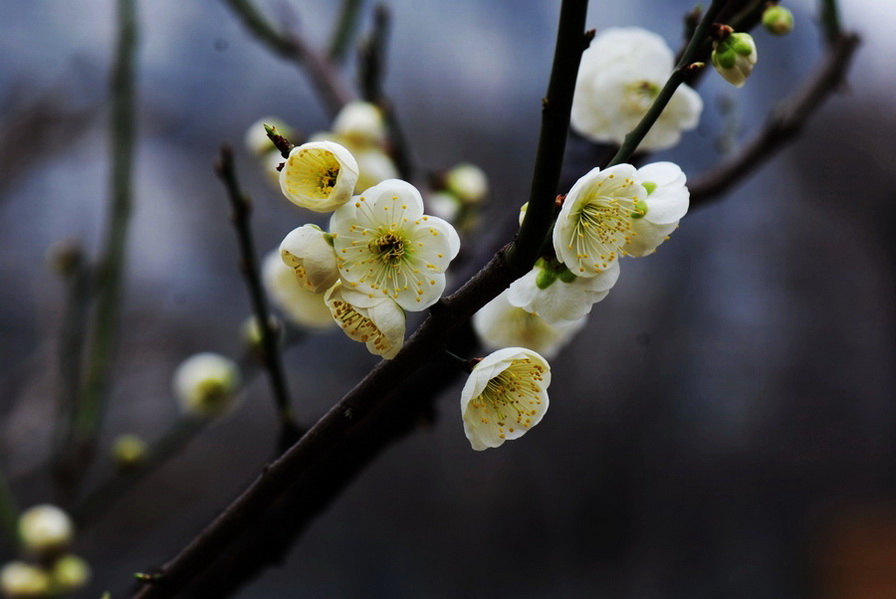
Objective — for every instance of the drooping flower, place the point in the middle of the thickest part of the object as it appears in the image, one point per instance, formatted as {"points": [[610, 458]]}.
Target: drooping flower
{"points": [[298, 304], [620, 76], [501, 324], [376, 321], [308, 251], [734, 56], [558, 296], [386, 246], [319, 176], [667, 202], [206, 384], [45, 529], [595, 222], [505, 396]]}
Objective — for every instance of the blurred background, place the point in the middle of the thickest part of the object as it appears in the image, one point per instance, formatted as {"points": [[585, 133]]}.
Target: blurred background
{"points": [[725, 426]]}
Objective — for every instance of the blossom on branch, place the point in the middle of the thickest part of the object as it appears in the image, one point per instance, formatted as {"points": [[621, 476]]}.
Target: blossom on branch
{"points": [[309, 252], [299, 304], [376, 321], [667, 202], [206, 384], [501, 324], [319, 176], [386, 247], [505, 396], [620, 76], [734, 57]]}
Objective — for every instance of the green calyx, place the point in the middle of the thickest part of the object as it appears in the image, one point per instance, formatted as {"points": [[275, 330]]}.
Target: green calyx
{"points": [[551, 270], [640, 209]]}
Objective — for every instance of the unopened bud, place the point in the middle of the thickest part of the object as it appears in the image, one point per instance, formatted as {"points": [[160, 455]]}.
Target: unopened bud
{"points": [[69, 573], [734, 56], [45, 529], [206, 384], [129, 452], [777, 20], [468, 182], [19, 580]]}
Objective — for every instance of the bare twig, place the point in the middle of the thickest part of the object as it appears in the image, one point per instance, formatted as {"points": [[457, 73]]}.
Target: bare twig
{"points": [[783, 125], [294, 48], [9, 513], [241, 207], [426, 344], [344, 30]]}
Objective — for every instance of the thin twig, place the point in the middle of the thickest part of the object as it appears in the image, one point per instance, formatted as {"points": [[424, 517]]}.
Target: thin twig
{"points": [[424, 345], [294, 48], [344, 30], [784, 123], [634, 138], [9, 513], [110, 270], [830, 21], [241, 207]]}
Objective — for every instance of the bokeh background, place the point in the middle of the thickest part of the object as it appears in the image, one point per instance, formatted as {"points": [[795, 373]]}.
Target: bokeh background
{"points": [[724, 427]]}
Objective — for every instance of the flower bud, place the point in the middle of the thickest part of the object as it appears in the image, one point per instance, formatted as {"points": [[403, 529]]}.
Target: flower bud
{"points": [[129, 452], [45, 529], [777, 20], [733, 56], [468, 182], [69, 573], [361, 123], [206, 384], [19, 580]]}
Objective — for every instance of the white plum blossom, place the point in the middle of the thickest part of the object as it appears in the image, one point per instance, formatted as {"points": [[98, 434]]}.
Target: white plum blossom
{"points": [[309, 252], [45, 529], [505, 396], [301, 306], [206, 384], [667, 202], [501, 324], [360, 123], [386, 247], [616, 212], [556, 295], [621, 74], [734, 57], [21, 580], [319, 176], [468, 182], [376, 321]]}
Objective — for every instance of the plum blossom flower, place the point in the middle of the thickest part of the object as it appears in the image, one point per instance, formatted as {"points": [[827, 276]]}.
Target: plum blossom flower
{"points": [[309, 252], [21, 580], [558, 296], [667, 202], [206, 384], [386, 247], [620, 76], [45, 529], [505, 396], [501, 324], [376, 321], [298, 304], [319, 176], [360, 123]]}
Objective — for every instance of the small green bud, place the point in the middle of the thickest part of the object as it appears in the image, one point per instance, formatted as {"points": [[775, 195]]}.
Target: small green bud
{"points": [[129, 452], [69, 573], [734, 56], [777, 20]]}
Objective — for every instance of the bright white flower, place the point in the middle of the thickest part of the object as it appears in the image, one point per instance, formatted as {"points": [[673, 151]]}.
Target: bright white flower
{"points": [[468, 182], [667, 202], [505, 396], [319, 176], [378, 321], [734, 57], [386, 246], [361, 123], [70, 573], [595, 223], [257, 140], [20, 580], [621, 73], [308, 251], [45, 529], [206, 384], [559, 297], [501, 324], [300, 305]]}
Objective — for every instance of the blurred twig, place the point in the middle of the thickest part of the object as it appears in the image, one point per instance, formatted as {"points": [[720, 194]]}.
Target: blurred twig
{"points": [[9, 513], [294, 48], [830, 21], [344, 30], [104, 338], [334, 429], [241, 207], [784, 123]]}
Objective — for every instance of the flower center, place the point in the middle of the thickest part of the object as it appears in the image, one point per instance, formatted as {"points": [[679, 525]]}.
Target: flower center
{"points": [[513, 397], [389, 248], [639, 96]]}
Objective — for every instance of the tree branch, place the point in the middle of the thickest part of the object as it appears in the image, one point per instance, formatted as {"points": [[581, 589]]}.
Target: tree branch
{"points": [[783, 124]]}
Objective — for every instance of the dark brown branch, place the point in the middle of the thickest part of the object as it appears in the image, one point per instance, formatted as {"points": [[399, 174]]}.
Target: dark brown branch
{"points": [[784, 123], [331, 431], [294, 48], [241, 207]]}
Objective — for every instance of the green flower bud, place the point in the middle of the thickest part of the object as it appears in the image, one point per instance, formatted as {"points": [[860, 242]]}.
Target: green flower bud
{"points": [[69, 573], [129, 452], [734, 56], [777, 20]]}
